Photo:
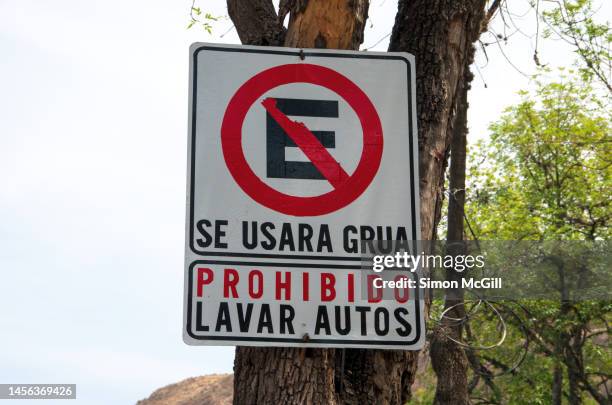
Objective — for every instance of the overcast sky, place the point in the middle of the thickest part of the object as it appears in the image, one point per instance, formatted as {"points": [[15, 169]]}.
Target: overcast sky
{"points": [[93, 114]]}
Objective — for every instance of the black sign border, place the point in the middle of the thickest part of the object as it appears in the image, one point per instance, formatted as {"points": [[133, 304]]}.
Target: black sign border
{"points": [[370, 342]]}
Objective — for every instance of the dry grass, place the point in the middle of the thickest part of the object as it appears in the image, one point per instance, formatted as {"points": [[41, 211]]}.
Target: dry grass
{"points": [[214, 389]]}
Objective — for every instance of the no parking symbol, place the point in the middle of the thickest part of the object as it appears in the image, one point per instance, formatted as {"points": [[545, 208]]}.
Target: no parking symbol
{"points": [[346, 187]]}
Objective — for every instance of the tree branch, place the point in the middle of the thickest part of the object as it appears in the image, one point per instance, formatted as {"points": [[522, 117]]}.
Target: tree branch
{"points": [[489, 16], [256, 22]]}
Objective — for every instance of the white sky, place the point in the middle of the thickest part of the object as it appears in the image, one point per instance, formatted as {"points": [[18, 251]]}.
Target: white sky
{"points": [[93, 114]]}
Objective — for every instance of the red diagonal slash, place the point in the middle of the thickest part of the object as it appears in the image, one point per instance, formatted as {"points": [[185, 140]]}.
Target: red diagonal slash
{"points": [[309, 144]]}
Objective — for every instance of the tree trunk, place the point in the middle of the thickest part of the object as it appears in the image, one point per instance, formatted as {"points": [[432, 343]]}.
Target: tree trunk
{"points": [[575, 364], [279, 376], [439, 33], [334, 24], [557, 385], [448, 359], [575, 394], [256, 22], [288, 375]]}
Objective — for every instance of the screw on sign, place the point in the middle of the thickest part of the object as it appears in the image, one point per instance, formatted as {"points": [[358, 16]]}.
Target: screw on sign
{"points": [[346, 187]]}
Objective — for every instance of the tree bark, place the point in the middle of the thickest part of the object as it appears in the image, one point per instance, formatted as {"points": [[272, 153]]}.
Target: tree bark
{"points": [[439, 33], [256, 22], [575, 364], [278, 376], [448, 359], [557, 385], [575, 394], [335, 24], [456, 203]]}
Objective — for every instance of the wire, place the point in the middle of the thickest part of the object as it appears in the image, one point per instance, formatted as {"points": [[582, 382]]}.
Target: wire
{"points": [[377, 42]]}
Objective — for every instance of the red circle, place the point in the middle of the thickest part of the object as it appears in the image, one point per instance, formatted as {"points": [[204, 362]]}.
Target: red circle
{"points": [[339, 197]]}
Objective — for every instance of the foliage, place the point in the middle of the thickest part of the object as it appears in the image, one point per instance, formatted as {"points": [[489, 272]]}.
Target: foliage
{"points": [[546, 171], [574, 22], [545, 174], [204, 19]]}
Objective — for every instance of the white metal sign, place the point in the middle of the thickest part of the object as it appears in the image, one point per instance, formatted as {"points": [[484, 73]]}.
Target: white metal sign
{"points": [[295, 156]]}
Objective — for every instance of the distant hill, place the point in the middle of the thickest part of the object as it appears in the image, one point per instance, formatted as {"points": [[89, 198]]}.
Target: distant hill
{"points": [[214, 389]]}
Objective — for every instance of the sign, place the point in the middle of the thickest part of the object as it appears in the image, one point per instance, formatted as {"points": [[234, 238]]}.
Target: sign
{"points": [[295, 157]]}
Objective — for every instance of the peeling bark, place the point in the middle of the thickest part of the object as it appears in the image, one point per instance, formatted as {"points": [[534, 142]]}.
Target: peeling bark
{"points": [[335, 24]]}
